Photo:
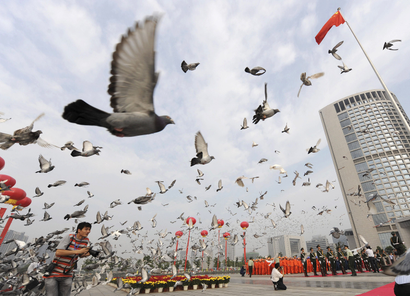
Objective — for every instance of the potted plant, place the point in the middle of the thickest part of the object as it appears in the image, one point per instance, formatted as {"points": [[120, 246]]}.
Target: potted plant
{"points": [[227, 280], [171, 284], [220, 281], [161, 285], [213, 281], [185, 284], [148, 286], [195, 282]]}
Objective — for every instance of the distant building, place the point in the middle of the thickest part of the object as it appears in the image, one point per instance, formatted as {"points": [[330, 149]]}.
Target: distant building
{"points": [[254, 255], [11, 234], [368, 137], [287, 245], [342, 240], [317, 240]]}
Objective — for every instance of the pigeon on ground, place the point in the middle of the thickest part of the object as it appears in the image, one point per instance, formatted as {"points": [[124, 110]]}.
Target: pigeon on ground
{"points": [[264, 111], [256, 71], [57, 183], [286, 211], [306, 81], [38, 192], [131, 88], [24, 136], [127, 172], [88, 150], [334, 49], [201, 147], [314, 149], [344, 68], [69, 145], [244, 124], [45, 165], [185, 67], [388, 45]]}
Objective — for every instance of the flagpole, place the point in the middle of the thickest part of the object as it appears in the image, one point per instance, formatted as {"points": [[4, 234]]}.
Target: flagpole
{"points": [[375, 71]]}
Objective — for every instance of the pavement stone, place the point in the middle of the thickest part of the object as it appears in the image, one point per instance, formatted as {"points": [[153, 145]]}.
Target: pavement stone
{"points": [[261, 285]]}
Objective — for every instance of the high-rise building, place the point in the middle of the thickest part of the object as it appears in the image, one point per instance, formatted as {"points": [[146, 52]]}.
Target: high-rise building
{"points": [[286, 245], [317, 240], [368, 139]]}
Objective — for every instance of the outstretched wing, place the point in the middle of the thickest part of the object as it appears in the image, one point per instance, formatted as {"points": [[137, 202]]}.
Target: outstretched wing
{"points": [[201, 145], [133, 69], [317, 75], [337, 45]]}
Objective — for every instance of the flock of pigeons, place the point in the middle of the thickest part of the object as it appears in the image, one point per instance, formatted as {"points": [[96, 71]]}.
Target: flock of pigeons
{"points": [[131, 88]]}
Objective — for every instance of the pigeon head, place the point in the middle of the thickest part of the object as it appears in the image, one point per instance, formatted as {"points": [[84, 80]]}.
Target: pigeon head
{"points": [[167, 120]]}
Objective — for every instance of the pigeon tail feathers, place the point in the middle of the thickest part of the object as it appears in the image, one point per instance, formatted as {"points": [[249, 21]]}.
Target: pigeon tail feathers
{"points": [[82, 113]]}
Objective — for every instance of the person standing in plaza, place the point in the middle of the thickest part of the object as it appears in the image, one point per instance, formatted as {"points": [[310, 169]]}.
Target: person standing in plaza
{"points": [[322, 260], [303, 259], [312, 257], [342, 260], [372, 260], [350, 259], [397, 243], [73, 246], [250, 266], [331, 257], [365, 259], [358, 259]]}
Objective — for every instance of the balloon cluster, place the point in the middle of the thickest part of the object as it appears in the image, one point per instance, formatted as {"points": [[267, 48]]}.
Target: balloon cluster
{"points": [[17, 196]]}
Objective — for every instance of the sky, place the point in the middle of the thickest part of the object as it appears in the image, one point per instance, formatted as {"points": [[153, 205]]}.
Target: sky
{"points": [[56, 52]]}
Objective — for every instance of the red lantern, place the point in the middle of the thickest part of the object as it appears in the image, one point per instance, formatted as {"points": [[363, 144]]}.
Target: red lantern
{"points": [[244, 225], [15, 193], [179, 233], [226, 235], [10, 180], [2, 163], [25, 202], [204, 233], [190, 218], [220, 223]]}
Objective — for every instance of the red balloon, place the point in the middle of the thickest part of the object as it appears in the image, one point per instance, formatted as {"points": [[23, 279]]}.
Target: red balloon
{"points": [[2, 163], [25, 202], [15, 193], [244, 225], [190, 218], [220, 223], [10, 180], [226, 235], [204, 233], [179, 233]]}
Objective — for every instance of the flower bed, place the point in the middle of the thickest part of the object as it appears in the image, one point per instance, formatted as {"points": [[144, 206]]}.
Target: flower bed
{"points": [[164, 281]]}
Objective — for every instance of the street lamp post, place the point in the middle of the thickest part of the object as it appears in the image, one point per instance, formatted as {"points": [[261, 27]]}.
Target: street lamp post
{"points": [[220, 224], [244, 225], [191, 222], [178, 234], [204, 234], [226, 236]]}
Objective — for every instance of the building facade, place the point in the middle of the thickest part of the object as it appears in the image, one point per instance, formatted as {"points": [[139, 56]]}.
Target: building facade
{"points": [[368, 139], [286, 245], [317, 240]]}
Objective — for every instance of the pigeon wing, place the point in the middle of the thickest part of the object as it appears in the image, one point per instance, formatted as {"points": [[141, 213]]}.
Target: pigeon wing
{"points": [[133, 69], [201, 145], [87, 146], [317, 75], [337, 45], [287, 208], [400, 267]]}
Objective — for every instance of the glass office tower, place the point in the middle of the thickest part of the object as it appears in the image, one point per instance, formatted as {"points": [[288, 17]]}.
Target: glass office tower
{"points": [[369, 142]]}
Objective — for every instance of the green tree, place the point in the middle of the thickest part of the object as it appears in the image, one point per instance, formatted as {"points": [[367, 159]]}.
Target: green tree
{"points": [[208, 261], [389, 249]]}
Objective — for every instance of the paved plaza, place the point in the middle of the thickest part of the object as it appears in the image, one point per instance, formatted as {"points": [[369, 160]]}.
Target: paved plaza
{"points": [[297, 285]]}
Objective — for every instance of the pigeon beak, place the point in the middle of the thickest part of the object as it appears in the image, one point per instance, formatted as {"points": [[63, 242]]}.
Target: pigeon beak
{"points": [[172, 122]]}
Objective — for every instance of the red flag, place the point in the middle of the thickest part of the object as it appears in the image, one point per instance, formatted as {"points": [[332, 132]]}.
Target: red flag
{"points": [[335, 20]]}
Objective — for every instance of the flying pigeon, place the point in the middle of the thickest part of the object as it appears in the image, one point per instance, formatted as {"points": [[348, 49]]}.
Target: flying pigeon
{"points": [[88, 150], [82, 184], [185, 67], [77, 214], [286, 129], [131, 88], [334, 49], [46, 217], [344, 68], [127, 172], [400, 267], [306, 81], [69, 145], [264, 111], [201, 147], [57, 183], [24, 136], [245, 124], [45, 165], [161, 187], [38, 192], [240, 182], [256, 71], [388, 45], [286, 211], [219, 186], [314, 149]]}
